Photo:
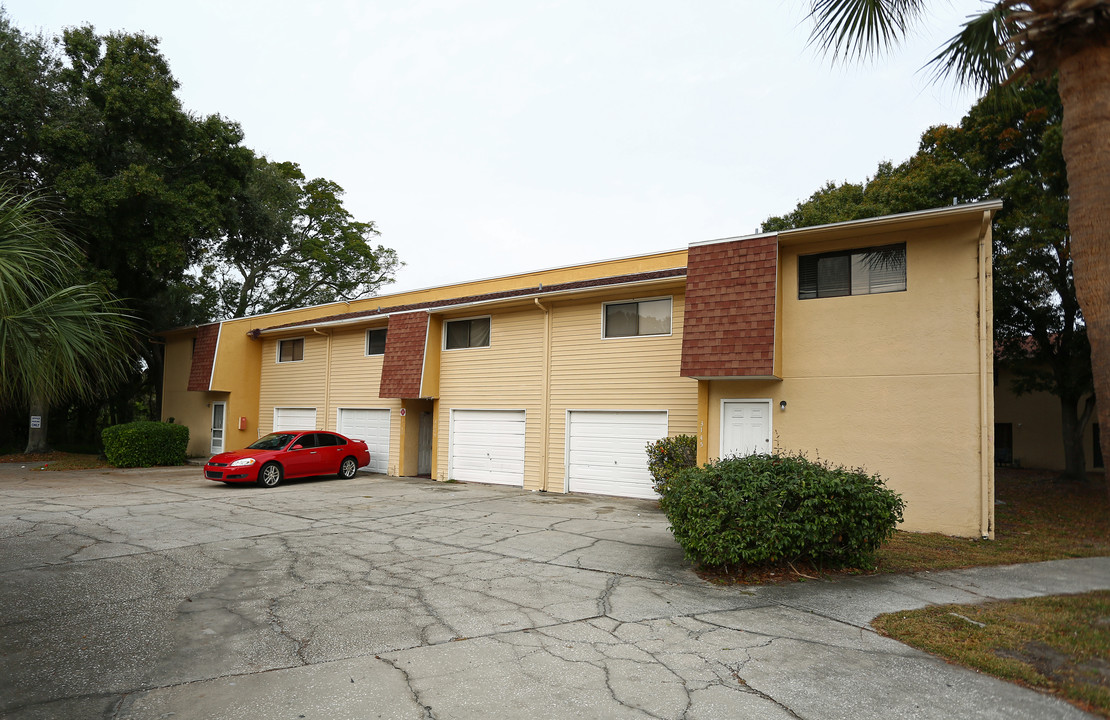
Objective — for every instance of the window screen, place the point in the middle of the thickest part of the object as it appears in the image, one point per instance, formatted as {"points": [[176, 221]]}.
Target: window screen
{"points": [[375, 342], [643, 317], [467, 333], [852, 272], [291, 350]]}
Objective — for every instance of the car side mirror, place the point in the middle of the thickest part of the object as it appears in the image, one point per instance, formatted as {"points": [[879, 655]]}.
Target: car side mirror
{"points": [[297, 447]]}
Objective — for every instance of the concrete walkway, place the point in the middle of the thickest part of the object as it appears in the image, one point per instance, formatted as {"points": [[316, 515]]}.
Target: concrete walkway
{"points": [[157, 594]]}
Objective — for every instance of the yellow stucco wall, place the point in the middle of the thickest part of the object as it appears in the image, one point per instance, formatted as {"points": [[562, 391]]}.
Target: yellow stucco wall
{"points": [[192, 409], [1037, 427], [890, 381]]}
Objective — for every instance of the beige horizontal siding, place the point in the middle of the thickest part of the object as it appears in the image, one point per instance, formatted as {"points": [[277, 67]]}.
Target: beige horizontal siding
{"points": [[293, 384], [589, 372], [354, 383], [507, 375]]}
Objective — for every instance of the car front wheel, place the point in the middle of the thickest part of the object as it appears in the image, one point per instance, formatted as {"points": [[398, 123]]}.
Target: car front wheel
{"points": [[347, 468], [270, 475]]}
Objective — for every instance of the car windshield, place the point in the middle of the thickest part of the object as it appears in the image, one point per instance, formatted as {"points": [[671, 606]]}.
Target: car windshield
{"points": [[273, 441]]}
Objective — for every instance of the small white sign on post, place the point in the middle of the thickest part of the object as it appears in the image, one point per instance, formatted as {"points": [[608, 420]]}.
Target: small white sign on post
{"points": [[36, 421]]}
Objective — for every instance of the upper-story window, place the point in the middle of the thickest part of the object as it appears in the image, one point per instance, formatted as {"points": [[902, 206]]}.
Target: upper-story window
{"points": [[291, 350], [470, 333], [642, 317], [864, 271], [375, 341]]}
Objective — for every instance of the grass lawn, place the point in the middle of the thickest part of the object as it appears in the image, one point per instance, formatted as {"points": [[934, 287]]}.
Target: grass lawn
{"points": [[1059, 645], [55, 460], [1037, 518]]}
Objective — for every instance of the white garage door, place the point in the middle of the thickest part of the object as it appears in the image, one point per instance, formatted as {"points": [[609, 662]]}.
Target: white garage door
{"points": [[294, 419], [487, 446], [605, 451], [371, 426]]}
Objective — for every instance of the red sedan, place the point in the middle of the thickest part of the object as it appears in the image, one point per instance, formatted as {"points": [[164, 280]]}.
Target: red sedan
{"points": [[289, 454]]}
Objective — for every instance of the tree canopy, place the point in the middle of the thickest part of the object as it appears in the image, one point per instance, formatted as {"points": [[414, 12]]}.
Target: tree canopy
{"points": [[60, 338], [171, 211], [292, 243]]}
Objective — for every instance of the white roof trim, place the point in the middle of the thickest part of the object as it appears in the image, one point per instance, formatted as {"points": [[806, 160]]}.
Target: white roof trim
{"points": [[938, 213]]}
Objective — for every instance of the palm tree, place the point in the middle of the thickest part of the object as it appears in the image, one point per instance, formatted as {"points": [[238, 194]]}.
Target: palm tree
{"points": [[59, 338], [1010, 38]]}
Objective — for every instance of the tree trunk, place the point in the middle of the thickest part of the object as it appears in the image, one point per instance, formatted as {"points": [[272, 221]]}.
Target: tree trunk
{"points": [[1085, 93], [1075, 460], [155, 373], [36, 436]]}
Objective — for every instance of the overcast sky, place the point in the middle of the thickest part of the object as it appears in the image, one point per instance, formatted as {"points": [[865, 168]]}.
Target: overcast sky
{"points": [[491, 137]]}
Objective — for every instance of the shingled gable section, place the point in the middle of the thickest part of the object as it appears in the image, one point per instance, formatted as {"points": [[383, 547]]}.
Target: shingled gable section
{"points": [[729, 323], [204, 357], [403, 363]]}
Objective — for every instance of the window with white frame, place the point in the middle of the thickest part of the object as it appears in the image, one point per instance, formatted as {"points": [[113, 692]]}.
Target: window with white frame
{"points": [[469, 333], [638, 318], [863, 271], [291, 350], [375, 341]]}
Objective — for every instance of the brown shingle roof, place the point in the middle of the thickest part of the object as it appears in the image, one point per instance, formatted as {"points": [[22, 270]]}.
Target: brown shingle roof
{"points": [[204, 357], [729, 323], [403, 364], [504, 294]]}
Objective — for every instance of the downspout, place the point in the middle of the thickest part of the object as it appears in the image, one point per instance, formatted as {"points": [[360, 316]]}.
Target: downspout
{"points": [[545, 400], [327, 377], [986, 380]]}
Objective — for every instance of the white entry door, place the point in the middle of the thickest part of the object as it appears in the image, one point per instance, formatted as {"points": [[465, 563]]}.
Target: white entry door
{"points": [[745, 427], [219, 410], [487, 446], [371, 426]]}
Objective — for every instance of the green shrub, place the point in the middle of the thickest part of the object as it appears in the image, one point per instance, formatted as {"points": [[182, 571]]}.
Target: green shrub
{"points": [[765, 509], [668, 456], [142, 444]]}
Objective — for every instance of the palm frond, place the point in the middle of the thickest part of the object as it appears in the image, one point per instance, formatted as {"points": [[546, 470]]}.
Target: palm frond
{"points": [[853, 29], [59, 338], [983, 53]]}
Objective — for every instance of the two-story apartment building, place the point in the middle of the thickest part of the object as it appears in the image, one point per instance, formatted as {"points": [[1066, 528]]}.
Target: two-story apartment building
{"points": [[865, 343]]}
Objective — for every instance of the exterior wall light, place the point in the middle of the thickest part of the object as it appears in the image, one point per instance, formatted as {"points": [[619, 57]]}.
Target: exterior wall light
{"points": [[782, 405]]}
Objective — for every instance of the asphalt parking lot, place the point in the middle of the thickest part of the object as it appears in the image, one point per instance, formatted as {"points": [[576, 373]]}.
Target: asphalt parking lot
{"points": [[158, 594]]}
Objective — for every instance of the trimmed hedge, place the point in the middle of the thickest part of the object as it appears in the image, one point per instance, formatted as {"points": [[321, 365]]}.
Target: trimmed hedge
{"points": [[143, 444], [766, 509], [670, 455]]}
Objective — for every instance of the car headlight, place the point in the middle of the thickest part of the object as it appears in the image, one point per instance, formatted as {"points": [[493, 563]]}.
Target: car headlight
{"points": [[243, 461]]}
